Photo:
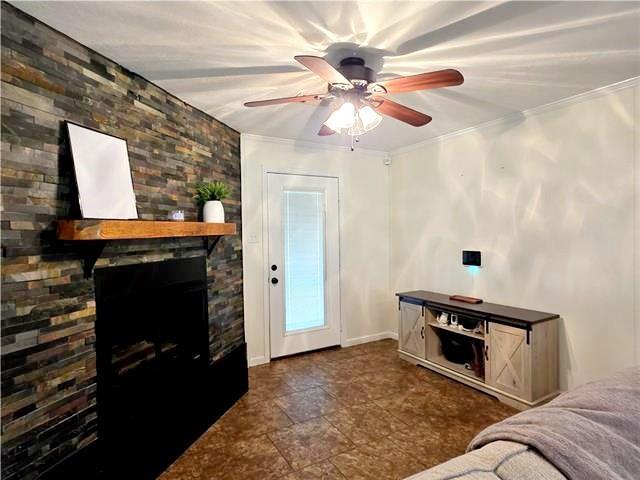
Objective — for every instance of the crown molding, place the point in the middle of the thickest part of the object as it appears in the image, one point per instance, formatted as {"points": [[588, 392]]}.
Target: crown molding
{"points": [[517, 116], [512, 117], [315, 146]]}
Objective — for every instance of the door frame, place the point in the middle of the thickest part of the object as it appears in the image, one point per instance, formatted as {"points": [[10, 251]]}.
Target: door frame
{"points": [[266, 273]]}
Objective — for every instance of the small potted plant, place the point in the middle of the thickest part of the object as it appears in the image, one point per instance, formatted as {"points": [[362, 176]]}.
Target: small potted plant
{"points": [[210, 195]]}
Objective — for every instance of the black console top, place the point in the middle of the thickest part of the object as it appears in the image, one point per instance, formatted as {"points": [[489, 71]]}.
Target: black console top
{"points": [[487, 310]]}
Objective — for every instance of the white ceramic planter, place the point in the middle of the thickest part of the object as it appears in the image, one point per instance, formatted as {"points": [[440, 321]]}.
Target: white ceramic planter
{"points": [[213, 212]]}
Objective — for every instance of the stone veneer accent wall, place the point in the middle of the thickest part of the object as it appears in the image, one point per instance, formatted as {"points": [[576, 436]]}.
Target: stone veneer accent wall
{"points": [[48, 307]]}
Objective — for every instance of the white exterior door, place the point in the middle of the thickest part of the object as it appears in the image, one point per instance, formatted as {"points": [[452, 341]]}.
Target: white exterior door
{"points": [[304, 263]]}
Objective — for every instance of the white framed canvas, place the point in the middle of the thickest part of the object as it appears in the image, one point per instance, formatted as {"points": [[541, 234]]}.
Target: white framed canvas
{"points": [[103, 174]]}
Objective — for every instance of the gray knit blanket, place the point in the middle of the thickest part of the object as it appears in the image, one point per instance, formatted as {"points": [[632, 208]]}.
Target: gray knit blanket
{"points": [[589, 433]]}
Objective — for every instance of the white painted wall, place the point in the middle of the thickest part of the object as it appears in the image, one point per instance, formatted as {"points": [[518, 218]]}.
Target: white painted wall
{"points": [[366, 302], [551, 200]]}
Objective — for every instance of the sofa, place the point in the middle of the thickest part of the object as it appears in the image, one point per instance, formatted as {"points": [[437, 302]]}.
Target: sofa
{"points": [[500, 460], [589, 433]]}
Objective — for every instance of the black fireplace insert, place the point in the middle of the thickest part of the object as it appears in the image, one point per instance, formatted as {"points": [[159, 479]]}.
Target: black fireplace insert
{"points": [[157, 390]]}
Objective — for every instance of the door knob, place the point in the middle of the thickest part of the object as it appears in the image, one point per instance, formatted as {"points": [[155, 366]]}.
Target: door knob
{"points": [[274, 280]]}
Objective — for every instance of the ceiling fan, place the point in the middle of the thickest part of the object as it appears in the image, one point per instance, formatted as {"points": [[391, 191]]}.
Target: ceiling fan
{"points": [[358, 100]]}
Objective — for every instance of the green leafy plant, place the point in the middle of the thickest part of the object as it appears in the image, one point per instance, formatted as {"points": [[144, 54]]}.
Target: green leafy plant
{"points": [[207, 191]]}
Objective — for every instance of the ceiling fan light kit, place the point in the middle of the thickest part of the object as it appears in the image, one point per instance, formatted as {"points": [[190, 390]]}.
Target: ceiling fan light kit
{"points": [[366, 119], [341, 118], [353, 121], [362, 99]]}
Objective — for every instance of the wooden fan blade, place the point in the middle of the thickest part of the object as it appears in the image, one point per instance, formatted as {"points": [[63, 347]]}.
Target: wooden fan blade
{"points": [[275, 101], [400, 112], [325, 131], [323, 69], [422, 81]]}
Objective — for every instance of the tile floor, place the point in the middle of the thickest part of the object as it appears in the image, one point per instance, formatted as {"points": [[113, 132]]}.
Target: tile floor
{"points": [[350, 413]]}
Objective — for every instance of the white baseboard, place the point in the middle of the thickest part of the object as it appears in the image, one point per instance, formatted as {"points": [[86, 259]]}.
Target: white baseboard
{"points": [[350, 342], [257, 361]]}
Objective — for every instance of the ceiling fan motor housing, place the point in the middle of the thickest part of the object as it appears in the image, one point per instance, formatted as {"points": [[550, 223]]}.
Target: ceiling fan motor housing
{"points": [[354, 69]]}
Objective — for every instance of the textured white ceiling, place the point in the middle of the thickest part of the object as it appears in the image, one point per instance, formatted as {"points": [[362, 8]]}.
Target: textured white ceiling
{"points": [[217, 55]]}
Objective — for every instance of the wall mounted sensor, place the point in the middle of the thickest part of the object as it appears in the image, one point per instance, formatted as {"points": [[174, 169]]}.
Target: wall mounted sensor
{"points": [[471, 258]]}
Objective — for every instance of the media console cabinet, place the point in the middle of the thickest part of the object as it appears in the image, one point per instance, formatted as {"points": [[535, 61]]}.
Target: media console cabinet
{"points": [[516, 350]]}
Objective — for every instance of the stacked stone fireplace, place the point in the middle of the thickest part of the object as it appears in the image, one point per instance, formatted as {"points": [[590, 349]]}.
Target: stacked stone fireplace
{"points": [[51, 398]]}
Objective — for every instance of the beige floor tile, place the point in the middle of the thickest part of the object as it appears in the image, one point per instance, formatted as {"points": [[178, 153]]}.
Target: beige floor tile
{"points": [[413, 405], [265, 386], [366, 423], [337, 355], [354, 366], [244, 421], [378, 461], [385, 382], [307, 404], [309, 377], [427, 444], [374, 347], [320, 471], [250, 459], [307, 443], [283, 366], [350, 393]]}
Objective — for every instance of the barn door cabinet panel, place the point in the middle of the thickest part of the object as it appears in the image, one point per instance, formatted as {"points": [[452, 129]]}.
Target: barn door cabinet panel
{"points": [[523, 361], [511, 354], [509, 360], [412, 325]]}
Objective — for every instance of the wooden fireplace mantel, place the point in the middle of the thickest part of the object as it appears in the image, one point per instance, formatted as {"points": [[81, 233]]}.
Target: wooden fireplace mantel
{"points": [[138, 229], [96, 233]]}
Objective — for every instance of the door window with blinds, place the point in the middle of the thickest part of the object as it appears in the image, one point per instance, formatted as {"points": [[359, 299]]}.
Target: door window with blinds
{"points": [[304, 259]]}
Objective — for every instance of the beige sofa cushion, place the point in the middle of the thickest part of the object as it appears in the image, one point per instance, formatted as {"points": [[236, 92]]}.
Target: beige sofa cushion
{"points": [[496, 461], [528, 465]]}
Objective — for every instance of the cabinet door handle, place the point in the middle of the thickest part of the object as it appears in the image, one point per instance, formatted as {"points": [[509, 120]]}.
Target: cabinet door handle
{"points": [[422, 332], [486, 353]]}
